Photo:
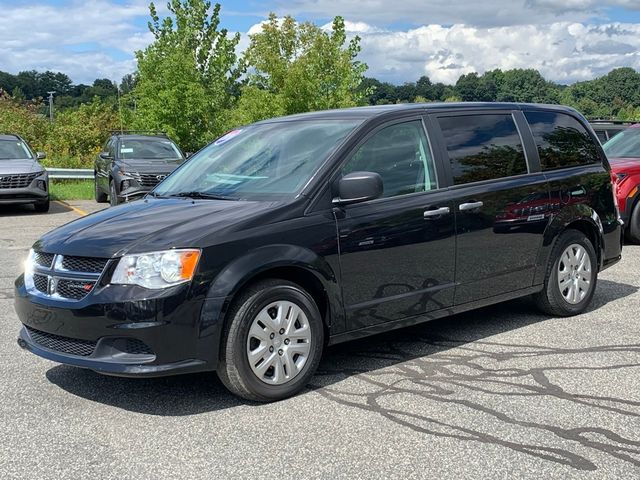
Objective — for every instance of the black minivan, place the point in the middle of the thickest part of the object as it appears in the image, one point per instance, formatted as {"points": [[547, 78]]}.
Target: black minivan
{"points": [[291, 234]]}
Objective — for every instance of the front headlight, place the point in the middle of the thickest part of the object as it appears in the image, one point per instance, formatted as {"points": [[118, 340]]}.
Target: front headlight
{"points": [[157, 269]]}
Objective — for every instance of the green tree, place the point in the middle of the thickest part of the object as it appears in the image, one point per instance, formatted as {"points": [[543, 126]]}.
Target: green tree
{"points": [[528, 86], [186, 76], [307, 67], [77, 135], [468, 86]]}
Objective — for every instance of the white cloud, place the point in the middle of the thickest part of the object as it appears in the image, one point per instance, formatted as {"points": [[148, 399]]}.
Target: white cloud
{"points": [[96, 38], [85, 39], [448, 12], [561, 51]]}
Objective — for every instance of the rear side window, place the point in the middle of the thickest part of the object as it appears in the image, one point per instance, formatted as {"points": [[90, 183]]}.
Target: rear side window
{"points": [[562, 140], [483, 147]]}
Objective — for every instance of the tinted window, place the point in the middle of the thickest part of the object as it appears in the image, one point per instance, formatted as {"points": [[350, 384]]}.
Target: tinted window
{"points": [[14, 149], [148, 149], [400, 155], [562, 140], [602, 135], [483, 147], [625, 144]]}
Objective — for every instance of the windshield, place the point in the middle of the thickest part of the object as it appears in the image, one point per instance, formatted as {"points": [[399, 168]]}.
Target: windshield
{"points": [[258, 161], [14, 149], [153, 149], [625, 144]]}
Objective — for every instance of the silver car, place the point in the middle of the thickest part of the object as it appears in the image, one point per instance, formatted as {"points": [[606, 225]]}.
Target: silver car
{"points": [[22, 179]]}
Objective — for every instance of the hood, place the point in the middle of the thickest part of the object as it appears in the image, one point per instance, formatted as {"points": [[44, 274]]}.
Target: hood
{"points": [[620, 164], [146, 165], [27, 165], [151, 225]]}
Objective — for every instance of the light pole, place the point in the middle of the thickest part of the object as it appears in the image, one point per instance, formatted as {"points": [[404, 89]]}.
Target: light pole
{"points": [[51, 105]]}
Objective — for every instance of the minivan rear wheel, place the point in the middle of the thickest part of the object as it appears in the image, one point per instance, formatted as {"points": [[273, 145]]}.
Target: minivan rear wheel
{"points": [[272, 342], [571, 276]]}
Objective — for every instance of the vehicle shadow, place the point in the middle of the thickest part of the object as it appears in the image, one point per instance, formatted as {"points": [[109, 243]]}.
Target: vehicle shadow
{"points": [[28, 210], [199, 393]]}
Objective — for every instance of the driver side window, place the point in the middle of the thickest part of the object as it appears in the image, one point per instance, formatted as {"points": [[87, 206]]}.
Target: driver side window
{"points": [[400, 154]]}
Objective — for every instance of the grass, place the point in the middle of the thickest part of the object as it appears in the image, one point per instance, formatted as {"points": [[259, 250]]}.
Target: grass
{"points": [[71, 189]]}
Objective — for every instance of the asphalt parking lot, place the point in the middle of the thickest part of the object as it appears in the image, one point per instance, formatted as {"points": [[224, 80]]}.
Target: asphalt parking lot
{"points": [[503, 392]]}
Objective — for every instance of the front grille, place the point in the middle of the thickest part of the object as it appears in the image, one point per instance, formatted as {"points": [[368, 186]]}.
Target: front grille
{"points": [[71, 346], [84, 264], [18, 180], [74, 289], [41, 282], [66, 277], [44, 259], [149, 179]]}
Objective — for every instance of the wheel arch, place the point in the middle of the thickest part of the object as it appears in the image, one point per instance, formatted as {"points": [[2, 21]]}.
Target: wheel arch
{"points": [[577, 217], [287, 262]]}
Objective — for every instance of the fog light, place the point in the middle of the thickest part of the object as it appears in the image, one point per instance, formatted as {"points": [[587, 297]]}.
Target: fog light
{"points": [[125, 184], [42, 185]]}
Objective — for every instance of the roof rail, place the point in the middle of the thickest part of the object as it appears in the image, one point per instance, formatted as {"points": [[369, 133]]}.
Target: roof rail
{"points": [[139, 132]]}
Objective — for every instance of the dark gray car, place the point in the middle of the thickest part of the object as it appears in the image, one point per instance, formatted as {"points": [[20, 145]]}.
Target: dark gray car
{"points": [[22, 179], [132, 164]]}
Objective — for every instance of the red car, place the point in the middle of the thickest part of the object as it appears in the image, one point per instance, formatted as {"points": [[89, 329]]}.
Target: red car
{"points": [[623, 151]]}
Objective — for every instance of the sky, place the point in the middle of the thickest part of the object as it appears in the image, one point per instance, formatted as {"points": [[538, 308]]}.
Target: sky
{"points": [[566, 40]]}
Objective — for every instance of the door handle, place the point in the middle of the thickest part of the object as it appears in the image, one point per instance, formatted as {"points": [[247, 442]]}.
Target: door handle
{"points": [[436, 212], [470, 206]]}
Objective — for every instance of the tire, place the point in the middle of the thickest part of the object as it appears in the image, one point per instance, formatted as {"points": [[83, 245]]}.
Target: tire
{"points": [[633, 232], [246, 319], [576, 295], [42, 207], [113, 195], [101, 197]]}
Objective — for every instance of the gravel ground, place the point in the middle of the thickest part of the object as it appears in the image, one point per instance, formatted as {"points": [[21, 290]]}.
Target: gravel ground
{"points": [[503, 392]]}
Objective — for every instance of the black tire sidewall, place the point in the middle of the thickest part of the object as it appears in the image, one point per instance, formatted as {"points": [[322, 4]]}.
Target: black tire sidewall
{"points": [[633, 232], [113, 195], [245, 316], [571, 237], [42, 207]]}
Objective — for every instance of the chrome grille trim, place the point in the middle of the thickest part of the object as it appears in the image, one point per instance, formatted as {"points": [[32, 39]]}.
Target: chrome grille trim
{"points": [[55, 281], [18, 180]]}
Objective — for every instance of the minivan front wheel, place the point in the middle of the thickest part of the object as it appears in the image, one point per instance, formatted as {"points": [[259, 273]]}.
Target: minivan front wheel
{"points": [[571, 276], [272, 342]]}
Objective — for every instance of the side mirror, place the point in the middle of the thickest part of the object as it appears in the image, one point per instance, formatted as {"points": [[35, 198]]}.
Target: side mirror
{"points": [[41, 155], [188, 154], [358, 187], [105, 156]]}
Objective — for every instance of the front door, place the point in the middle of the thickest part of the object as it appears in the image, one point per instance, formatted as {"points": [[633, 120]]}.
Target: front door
{"points": [[501, 206], [397, 253]]}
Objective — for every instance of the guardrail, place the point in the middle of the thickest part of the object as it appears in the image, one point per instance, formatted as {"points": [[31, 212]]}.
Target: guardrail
{"points": [[77, 173]]}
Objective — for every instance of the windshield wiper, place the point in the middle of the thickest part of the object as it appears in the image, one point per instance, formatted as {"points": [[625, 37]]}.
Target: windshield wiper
{"points": [[196, 194]]}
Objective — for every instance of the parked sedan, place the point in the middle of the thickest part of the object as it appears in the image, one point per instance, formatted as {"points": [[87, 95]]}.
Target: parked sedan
{"points": [[22, 179]]}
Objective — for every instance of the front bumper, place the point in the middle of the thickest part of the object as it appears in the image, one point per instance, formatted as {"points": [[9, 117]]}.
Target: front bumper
{"points": [[124, 331], [30, 194]]}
